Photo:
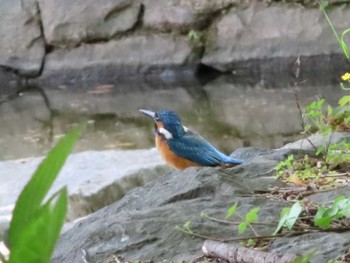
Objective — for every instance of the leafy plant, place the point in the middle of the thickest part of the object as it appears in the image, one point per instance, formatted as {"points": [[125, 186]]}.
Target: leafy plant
{"points": [[37, 220], [289, 216], [250, 217], [340, 208], [231, 211]]}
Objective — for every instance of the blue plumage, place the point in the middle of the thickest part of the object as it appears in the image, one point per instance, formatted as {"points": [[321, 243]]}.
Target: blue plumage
{"points": [[185, 143], [194, 147]]}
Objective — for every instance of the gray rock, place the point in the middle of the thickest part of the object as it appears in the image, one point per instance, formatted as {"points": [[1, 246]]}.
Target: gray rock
{"points": [[74, 22], [179, 15], [253, 34], [318, 140], [142, 224], [21, 41], [94, 179], [137, 54], [166, 18]]}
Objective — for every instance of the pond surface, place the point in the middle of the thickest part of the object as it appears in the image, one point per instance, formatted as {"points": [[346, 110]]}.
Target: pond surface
{"points": [[229, 111]]}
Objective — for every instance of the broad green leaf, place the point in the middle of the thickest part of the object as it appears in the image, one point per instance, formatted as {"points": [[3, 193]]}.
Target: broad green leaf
{"points": [[242, 227], [41, 234], [322, 221], [33, 194], [293, 215], [252, 216], [231, 211], [344, 100], [288, 217]]}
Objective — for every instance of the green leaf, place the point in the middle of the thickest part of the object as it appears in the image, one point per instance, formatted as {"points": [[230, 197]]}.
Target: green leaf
{"points": [[251, 242], [293, 215], [35, 227], [231, 211], [288, 217], [321, 220], [343, 43], [242, 227], [38, 241], [252, 216], [344, 100], [329, 110], [324, 216], [187, 225], [36, 189]]}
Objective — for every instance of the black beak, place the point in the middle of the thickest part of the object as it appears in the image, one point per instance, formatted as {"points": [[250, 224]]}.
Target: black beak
{"points": [[148, 113]]}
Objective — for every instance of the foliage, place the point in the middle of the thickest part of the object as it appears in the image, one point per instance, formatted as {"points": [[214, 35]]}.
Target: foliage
{"points": [[37, 220], [340, 208], [193, 35], [341, 39], [231, 211], [250, 217], [288, 217]]}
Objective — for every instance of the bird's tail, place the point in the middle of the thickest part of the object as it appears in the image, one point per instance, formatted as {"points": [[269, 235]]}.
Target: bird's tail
{"points": [[230, 161]]}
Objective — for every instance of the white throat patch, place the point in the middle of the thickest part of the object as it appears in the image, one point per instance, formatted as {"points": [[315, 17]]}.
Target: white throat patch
{"points": [[166, 133]]}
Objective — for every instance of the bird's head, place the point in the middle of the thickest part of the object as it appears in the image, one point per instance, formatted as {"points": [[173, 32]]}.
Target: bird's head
{"points": [[167, 123]]}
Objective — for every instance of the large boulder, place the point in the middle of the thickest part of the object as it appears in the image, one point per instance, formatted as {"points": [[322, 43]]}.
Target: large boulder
{"points": [[141, 226], [21, 41], [253, 34], [68, 23]]}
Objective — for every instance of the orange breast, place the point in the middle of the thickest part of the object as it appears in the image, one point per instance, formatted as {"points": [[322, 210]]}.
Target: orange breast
{"points": [[171, 158]]}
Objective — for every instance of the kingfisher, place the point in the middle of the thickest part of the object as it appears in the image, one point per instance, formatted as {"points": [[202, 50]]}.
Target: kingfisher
{"points": [[181, 147]]}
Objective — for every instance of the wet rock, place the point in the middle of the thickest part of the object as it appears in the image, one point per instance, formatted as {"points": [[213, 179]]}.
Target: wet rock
{"points": [[94, 179], [80, 21], [253, 34], [22, 44], [129, 56]]}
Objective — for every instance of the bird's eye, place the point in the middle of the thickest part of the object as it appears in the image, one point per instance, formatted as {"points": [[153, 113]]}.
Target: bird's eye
{"points": [[156, 117]]}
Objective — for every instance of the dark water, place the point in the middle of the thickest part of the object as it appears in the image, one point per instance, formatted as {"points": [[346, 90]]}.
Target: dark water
{"points": [[230, 111]]}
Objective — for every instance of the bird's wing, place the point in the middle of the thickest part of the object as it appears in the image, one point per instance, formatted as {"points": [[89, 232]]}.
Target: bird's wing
{"points": [[193, 147]]}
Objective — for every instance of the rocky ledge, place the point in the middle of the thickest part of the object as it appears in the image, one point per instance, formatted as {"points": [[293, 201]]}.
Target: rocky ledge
{"points": [[84, 39], [141, 226]]}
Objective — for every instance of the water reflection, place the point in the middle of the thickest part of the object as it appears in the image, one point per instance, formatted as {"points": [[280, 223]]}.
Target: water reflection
{"points": [[229, 111]]}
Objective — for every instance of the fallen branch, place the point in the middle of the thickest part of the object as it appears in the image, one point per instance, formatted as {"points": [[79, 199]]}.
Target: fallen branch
{"points": [[236, 254]]}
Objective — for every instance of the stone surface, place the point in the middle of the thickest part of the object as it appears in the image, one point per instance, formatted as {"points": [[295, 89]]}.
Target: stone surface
{"points": [[318, 140], [94, 179], [141, 226], [79, 21], [253, 34], [180, 15], [134, 55], [21, 41]]}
